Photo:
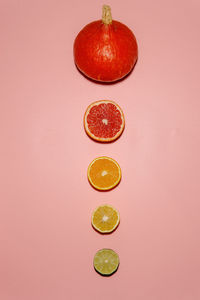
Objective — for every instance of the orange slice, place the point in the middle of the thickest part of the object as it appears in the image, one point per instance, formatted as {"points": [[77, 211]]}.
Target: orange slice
{"points": [[104, 173], [104, 121], [106, 262], [105, 218]]}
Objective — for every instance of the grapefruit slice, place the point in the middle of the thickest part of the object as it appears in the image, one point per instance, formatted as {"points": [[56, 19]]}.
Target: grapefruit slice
{"points": [[104, 121], [105, 218], [106, 262], [104, 173]]}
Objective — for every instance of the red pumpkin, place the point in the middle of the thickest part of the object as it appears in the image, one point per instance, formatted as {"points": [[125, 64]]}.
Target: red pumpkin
{"points": [[105, 50]]}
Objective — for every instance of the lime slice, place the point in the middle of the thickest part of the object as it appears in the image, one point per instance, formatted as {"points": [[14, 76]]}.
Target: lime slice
{"points": [[106, 262]]}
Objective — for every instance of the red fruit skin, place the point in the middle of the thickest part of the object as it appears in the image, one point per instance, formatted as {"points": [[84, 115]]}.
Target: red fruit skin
{"points": [[105, 53]]}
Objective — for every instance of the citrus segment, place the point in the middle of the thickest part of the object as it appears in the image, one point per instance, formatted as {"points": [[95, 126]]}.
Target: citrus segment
{"points": [[104, 173], [105, 218], [106, 261], [104, 121]]}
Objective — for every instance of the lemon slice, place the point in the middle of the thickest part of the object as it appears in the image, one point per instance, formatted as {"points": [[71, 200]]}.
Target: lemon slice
{"points": [[104, 173], [105, 218], [106, 262]]}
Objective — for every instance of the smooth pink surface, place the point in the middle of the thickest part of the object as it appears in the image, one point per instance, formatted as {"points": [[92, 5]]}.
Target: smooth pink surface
{"points": [[47, 243]]}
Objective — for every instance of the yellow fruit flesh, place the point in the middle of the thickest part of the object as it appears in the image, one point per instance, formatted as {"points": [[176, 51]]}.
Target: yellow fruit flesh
{"points": [[105, 219]]}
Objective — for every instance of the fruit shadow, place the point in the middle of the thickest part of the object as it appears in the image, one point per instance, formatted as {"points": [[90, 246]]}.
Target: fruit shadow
{"points": [[107, 83], [107, 275], [102, 142]]}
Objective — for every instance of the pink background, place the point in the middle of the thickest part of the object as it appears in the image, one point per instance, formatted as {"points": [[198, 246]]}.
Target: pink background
{"points": [[46, 241]]}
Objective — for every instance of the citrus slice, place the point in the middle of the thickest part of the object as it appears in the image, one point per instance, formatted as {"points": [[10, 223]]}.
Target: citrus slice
{"points": [[104, 173], [104, 121], [106, 262], [105, 218]]}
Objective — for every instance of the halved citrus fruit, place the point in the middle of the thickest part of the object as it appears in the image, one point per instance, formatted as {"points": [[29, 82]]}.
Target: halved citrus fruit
{"points": [[104, 121], [106, 262], [105, 218], [104, 173]]}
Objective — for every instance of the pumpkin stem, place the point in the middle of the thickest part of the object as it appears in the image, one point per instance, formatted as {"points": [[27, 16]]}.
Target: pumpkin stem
{"points": [[106, 15]]}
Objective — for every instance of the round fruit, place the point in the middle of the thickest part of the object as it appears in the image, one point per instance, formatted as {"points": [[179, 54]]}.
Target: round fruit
{"points": [[105, 218], [104, 121], [106, 262], [105, 50], [104, 173]]}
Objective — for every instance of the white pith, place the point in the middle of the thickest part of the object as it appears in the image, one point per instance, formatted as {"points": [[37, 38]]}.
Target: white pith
{"points": [[104, 173], [105, 218], [105, 121]]}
